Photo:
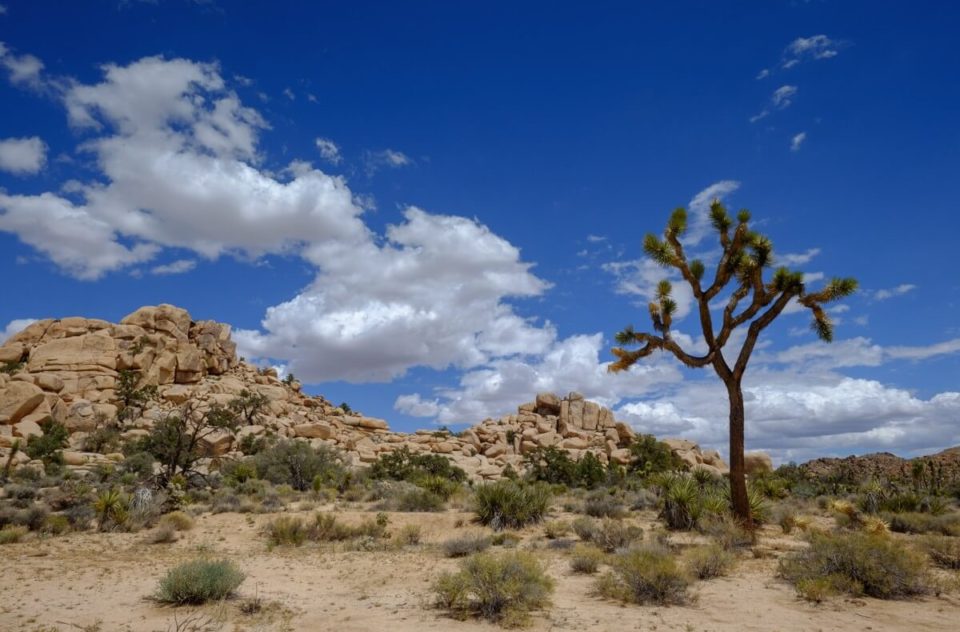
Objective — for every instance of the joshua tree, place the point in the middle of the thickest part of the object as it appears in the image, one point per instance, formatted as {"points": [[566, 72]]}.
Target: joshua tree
{"points": [[745, 256]]}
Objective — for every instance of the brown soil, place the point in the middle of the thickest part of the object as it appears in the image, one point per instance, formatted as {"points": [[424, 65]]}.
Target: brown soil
{"points": [[101, 582]]}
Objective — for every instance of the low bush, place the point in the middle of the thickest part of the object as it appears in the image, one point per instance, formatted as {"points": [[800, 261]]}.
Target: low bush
{"points": [[403, 465], [421, 500], [586, 559], [165, 533], [178, 520], [326, 528], [508, 504], [556, 529], [859, 564], [943, 551], [410, 534], [554, 466], [645, 575], [56, 524], [603, 505], [910, 522], [465, 545], [728, 533], [297, 463], [608, 534], [198, 582], [707, 562], [286, 530], [11, 534], [225, 501], [503, 588]]}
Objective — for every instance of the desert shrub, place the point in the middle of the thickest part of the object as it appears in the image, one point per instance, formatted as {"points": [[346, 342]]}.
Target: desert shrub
{"points": [[503, 588], [326, 528], [858, 564], [297, 463], [586, 559], [643, 498], [225, 501], [286, 530], [508, 504], [178, 520], [786, 517], [650, 456], [554, 466], [165, 533], [910, 522], [271, 502], [418, 500], [645, 575], [464, 545], [33, 517], [199, 581], [56, 524], [608, 534], [140, 464], [707, 562], [235, 472], [112, 508], [48, 446], [943, 551], [603, 505], [11, 534], [444, 488], [80, 516], [18, 492], [410, 534], [556, 529], [403, 465], [900, 502], [728, 533]]}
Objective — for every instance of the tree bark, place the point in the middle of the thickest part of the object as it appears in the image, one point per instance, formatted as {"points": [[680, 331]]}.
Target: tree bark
{"points": [[738, 479]]}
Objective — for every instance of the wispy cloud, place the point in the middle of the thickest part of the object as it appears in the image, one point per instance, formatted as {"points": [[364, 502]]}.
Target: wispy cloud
{"points": [[798, 259], [329, 151], [763, 74], [797, 141], [391, 158], [782, 97], [287, 92], [900, 290], [179, 266], [813, 47]]}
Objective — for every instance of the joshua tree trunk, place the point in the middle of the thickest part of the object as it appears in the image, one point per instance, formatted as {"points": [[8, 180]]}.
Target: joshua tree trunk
{"points": [[738, 482]]}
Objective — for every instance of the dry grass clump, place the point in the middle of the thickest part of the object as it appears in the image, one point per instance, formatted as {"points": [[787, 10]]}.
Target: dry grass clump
{"points": [[943, 551], [199, 581], [410, 535], [645, 575], [165, 533], [858, 564], [503, 588], [12, 534], [293, 530], [728, 533], [179, 520], [467, 544], [707, 562], [608, 534], [603, 505], [911, 522], [586, 559], [555, 529]]}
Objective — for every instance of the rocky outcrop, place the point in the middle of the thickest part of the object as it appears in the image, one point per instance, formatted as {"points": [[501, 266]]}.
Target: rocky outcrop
{"points": [[78, 371], [697, 459]]}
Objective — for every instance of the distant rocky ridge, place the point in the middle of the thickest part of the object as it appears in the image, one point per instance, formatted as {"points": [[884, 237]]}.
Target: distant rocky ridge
{"points": [[886, 466], [69, 370]]}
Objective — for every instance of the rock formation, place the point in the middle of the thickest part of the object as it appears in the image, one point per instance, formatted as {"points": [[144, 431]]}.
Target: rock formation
{"points": [[71, 370]]}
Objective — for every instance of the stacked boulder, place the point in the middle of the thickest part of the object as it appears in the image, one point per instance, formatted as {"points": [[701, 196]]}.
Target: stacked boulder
{"points": [[71, 371]]}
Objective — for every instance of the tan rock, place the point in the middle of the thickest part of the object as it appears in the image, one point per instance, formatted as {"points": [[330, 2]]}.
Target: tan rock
{"points": [[190, 365], [81, 416], [217, 443], [548, 404], [177, 394], [372, 423], [591, 415], [166, 319], [576, 413], [313, 431], [621, 456], [27, 429], [17, 400], [495, 450], [11, 352], [575, 443], [89, 352], [49, 382]]}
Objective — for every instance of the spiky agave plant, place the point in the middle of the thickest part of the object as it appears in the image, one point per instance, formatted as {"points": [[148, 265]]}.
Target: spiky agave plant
{"points": [[745, 255]]}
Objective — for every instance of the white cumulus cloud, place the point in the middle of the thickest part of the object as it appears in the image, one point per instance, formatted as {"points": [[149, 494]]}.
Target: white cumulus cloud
{"points": [[22, 155]]}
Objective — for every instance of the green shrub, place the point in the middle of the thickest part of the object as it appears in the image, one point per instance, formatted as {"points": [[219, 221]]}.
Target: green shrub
{"points": [[326, 529], [943, 551], [56, 524], [11, 534], [909, 522], [410, 534], [225, 501], [728, 533], [707, 562], [198, 582], [440, 486], [503, 588], [112, 508], [418, 500], [508, 504], [645, 575], [297, 463], [650, 456], [33, 517], [859, 564], [403, 465], [608, 534], [586, 559], [286, 530], [464, 545], [681, 502], [554, 466], [48, 447]]}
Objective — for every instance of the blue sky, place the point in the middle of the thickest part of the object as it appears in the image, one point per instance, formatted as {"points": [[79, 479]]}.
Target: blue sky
{"points": [[433, 210]]}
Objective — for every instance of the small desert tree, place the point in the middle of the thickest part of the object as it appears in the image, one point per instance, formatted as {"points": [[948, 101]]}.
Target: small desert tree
{"points": [[745, 255]]}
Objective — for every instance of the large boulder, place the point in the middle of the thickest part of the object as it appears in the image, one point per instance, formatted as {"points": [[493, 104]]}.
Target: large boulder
{"points": [[168, 319], [17, 400]]}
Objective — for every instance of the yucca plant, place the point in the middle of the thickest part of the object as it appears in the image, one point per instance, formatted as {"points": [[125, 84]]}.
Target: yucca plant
{"points": [[681, 503], [111, 505]]}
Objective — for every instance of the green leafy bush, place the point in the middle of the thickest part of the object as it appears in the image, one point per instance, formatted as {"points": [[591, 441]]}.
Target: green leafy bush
{"points": [[503, 588], [297, 463], [650, 456], [554, 466], [508, 504], [198, 582], [48, 446], [858, 564], [403, 465], [645, 575]]}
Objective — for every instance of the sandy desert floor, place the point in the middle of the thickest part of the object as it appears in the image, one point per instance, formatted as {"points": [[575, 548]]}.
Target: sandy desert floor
{"points": [[102, 582]]}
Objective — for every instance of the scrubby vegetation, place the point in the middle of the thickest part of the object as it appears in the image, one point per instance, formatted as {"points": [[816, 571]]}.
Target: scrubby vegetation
{"points": [[509, 504], [857, 564], [503, 588], [198, 582], [645, 575]]}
